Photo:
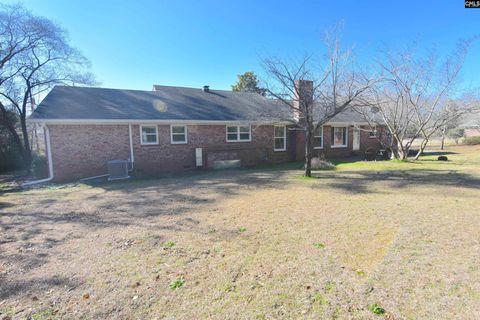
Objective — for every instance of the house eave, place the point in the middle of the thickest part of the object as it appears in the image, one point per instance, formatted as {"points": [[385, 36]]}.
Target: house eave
{"points": [[346, 124], [168, 122], [149, 121]]}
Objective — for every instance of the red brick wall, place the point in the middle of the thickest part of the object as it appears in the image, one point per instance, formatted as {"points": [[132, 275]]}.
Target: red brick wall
{"points": [[329, 152], [81, 151], [167, 157]]}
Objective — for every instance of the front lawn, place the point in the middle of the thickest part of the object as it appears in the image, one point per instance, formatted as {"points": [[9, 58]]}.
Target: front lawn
{"points": [[366, 241]]}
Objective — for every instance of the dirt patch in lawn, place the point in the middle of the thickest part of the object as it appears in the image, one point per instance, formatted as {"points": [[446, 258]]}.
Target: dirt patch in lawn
{"points": [[247, 244]]}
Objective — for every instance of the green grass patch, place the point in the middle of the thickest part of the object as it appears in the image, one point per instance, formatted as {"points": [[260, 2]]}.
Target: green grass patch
{"points": [[43, 315], [376, 309], [169, 244], [319, 245], [178, 283], [319, 298], [360, 273], [329, 286]]}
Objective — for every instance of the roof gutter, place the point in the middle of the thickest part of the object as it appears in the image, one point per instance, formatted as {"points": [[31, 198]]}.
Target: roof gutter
{"points": [[168, 122], [50, 164], [149, 121]]}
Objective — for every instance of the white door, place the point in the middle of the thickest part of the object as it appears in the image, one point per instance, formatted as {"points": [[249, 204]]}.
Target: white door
{"points": [[356, 139]]}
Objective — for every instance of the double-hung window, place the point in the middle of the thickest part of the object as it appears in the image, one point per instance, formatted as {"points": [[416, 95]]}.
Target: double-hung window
{"points": [[318, 138], [339, 137], [148, 134], [279, 138], [239, 134], [178, 134]]}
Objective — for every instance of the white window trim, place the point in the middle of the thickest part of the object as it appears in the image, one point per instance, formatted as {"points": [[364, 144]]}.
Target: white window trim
{"points": [[172, 134], [374, 131], [284, 138], [333, 146], [141, 135], [314, 136], [238, 133]]}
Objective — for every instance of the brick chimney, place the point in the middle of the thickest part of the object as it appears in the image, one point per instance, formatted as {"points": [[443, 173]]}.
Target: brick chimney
{"points": [[303, 95]]}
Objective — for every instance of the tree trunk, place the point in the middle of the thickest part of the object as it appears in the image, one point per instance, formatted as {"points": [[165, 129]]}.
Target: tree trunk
{"points": [[11, 128], [27, 152], [443, 138], [403, 154], [400, 153], [423, 145], [308, 151]]}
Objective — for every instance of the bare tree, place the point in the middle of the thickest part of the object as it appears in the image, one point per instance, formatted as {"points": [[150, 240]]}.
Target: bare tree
{"points": [[447, 118], [35, 55], [312, 91], [414, 99]]}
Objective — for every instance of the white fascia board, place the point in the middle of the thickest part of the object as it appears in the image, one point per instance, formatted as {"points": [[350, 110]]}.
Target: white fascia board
{"points": [[191, 122], [150, 121], [345, 124]]}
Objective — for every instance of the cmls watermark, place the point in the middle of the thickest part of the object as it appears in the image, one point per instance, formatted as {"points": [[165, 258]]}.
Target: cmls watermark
{"points": [[472, 4]]}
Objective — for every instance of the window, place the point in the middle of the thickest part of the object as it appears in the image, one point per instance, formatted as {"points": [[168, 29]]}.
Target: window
{"points": [[148, 135], [318, 138], [178, 134], [279, 138], [238, 133], [339, 137], [373, 132]]}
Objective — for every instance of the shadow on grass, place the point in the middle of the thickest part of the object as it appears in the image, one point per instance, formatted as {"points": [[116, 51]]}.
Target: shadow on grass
{"points": [[56, 218], [127, 202], [437, 153], [4, 205], [40, 285], [361, 182]]}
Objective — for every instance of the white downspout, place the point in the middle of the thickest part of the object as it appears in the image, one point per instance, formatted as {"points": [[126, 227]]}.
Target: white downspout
{"points": [[50, 164], [132, 159]]}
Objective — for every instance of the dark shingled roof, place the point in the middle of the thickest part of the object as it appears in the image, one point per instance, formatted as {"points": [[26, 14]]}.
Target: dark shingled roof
{"points": [[164, 103]]}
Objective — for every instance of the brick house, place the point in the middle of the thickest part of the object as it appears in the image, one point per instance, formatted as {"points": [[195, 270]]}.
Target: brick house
{"points": [[172, 129]]}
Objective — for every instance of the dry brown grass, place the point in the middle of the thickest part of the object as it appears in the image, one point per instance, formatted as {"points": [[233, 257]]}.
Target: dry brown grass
{"points": [[249, 244]]}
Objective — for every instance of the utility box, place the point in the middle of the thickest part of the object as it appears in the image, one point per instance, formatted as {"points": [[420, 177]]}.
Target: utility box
{"points": [[198, 157], [117, 169], [227, 164]]}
